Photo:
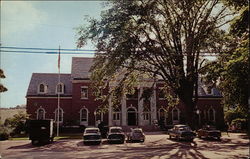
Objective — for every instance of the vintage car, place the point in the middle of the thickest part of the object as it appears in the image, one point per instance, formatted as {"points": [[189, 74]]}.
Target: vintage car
{"points": [[92, 135], [209, 131], [181, 132], [136, 134], [115, 134]]}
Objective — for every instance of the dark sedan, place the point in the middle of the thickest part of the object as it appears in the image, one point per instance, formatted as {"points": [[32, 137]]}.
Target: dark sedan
{"points": [[209, 131], [116, 134], [181, 132]]}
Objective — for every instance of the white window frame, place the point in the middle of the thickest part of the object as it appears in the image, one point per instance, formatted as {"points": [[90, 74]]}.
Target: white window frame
{"points": [[86, 93], [116, 115], [56, 111], [37, 112], [45, 88], [87, 118], [62, 88]]}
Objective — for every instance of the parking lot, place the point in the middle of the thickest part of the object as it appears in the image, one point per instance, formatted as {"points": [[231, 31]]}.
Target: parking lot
{"points": [[157, 145]]}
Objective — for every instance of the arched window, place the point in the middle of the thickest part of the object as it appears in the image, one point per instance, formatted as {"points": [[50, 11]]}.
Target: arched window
{"points": [[175, 114], [211, 114], [132, 116], [60, 88], [161, 114], [40, 113], [84, 115], [42, 88], [60, 115]]}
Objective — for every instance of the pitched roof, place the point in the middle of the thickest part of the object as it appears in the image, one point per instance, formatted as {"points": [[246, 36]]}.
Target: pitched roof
{"points": [[80, 67], [51, 80]]}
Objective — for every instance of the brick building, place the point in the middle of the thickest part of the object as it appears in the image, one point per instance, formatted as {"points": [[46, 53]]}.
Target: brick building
{"points": [[79, 107]]}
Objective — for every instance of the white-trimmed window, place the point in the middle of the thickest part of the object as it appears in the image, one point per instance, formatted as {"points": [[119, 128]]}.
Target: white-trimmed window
{"points": [[60, 88], [146, 114], [42, 88], [211, 114], [60, 115], [84, 115], [116, 114], [84, 92], [40, 113]]}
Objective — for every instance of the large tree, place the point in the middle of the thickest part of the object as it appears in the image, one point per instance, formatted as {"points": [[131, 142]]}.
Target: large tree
{"points": [[231, 68], [162, 38]]}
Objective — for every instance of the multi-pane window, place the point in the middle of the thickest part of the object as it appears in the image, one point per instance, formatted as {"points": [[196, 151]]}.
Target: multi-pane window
{"points": [[116, 115], [60, 88], [146, 115], [84, 92], [84, 114], [60, 115], [40, 114], [42, 88]]}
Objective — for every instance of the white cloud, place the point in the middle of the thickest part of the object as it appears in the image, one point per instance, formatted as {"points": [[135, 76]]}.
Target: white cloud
{"points": [[19, 16]]}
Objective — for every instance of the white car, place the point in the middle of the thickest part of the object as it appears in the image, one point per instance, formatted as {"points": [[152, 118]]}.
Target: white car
{"points": [[92, 135], [136, 134]]}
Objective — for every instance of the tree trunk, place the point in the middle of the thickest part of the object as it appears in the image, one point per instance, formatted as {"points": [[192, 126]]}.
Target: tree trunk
{"points": [[185, 93]]}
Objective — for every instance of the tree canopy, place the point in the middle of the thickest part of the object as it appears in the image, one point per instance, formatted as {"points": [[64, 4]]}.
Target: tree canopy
{"points": [[2, 88], [160, 38], [231, 70]]}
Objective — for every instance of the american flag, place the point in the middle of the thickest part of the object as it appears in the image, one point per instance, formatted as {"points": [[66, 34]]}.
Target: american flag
{"points": [[59, 58]]}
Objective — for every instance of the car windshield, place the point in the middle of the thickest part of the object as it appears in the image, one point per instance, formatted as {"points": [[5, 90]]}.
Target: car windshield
{"points": [[184, 128], [92, 131], [210, 128], [115, 130], [137, 131]]}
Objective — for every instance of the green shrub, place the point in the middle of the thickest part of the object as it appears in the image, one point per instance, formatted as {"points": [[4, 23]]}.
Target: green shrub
{"points": [[4, 133]]}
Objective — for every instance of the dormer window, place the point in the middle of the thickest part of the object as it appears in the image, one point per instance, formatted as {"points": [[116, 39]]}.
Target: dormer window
{"points": [[42, 88], [60, 88], [209, 91]]}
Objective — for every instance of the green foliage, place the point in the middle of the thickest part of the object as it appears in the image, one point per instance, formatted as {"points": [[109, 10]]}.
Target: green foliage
{"points": [[155, 39], [4, 132], [233, 114], [2, 88], [231, 70], [17, 123]]}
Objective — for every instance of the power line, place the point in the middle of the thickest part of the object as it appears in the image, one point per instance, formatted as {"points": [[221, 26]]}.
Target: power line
{"points": [[27, 48], [41, 52]]}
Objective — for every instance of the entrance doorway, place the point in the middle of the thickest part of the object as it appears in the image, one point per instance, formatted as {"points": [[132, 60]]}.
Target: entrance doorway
{"points": [[132, 117]]}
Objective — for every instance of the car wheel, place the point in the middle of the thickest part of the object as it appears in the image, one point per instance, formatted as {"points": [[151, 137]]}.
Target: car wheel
{"points": [[143, 140], [170, 136]]}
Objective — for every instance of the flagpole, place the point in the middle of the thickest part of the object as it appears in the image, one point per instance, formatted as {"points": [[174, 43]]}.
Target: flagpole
{"points": [[58, 93]]}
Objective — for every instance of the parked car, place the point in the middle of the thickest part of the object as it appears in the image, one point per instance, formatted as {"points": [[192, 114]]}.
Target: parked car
{"points": [[92, 135], [136, 134], [116, 134], [209, 131], [41, 131], [181, 132]]}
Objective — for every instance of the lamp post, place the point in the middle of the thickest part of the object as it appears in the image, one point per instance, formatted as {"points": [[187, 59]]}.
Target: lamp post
{"points": [[198, 113], [95, 117]]}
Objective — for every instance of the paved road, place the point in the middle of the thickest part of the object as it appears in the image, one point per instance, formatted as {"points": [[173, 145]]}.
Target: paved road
{"points": [[157, 145]]}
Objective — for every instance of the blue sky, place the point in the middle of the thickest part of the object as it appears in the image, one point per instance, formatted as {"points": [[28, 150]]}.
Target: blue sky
{"points": [[46, 24]]}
